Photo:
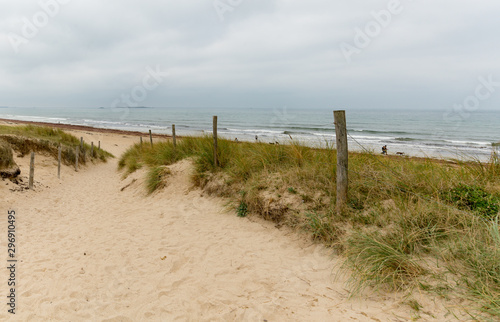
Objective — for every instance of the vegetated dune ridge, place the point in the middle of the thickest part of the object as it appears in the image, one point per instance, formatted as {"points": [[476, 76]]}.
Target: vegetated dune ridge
{"points": [[90, 250]]}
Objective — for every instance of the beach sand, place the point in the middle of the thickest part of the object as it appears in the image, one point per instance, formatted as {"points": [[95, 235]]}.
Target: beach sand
{"points": [[94, 247]]}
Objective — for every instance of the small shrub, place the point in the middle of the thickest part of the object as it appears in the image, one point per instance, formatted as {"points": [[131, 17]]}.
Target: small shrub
{"points": [[475, 199], [242, 209]]}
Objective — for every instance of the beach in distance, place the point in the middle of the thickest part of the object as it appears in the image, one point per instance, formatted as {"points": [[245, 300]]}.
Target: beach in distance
{"points": [[439, 134]]}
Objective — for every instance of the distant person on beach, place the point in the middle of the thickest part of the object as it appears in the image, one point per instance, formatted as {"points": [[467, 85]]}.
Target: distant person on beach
{"points": [[256, 138], [384, 149], [236, 140]]}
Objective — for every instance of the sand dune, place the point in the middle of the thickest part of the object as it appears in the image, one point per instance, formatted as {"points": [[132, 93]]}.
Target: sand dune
{"points": [[92, 251]]}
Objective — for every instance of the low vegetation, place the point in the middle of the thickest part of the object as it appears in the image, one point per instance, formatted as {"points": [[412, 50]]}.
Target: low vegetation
{"points": [[410, 223], [24, 139], [6, 157]]}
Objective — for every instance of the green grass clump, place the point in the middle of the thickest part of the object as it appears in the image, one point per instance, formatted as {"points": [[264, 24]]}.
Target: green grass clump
{"points": [[6, 157], [24, 139], [474, 198], [376, 260], [242, 210], [41, 132], [400, 210], [130, 160], [156, 178], [475, 257], [322, 228]]}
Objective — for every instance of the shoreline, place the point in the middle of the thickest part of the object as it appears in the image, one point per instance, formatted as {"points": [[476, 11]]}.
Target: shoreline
{"points": [[367, 129], [72, 127]]}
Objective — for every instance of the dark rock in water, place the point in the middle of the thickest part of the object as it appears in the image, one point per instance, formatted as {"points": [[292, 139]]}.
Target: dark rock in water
{"points": [[10, 173]]}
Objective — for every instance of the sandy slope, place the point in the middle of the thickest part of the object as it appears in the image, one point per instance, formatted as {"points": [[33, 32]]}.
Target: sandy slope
{"points": [[91, 252]]}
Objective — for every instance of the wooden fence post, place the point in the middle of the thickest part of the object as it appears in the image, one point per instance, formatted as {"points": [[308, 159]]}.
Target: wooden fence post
{"points": [[495, 153], [91, 149], [342, 160], [32, 170], [141, 141], [216, 159], [59, 150], [81, 143], [99, 145], [173, 135], [77, 156], [151, 138]]}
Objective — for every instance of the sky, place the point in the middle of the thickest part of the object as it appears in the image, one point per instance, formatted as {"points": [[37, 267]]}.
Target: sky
{"points": [[395, 54]]}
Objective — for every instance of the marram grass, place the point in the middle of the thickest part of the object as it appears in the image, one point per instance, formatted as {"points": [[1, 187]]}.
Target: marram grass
{"points": [[24, 139], [400, 210]]}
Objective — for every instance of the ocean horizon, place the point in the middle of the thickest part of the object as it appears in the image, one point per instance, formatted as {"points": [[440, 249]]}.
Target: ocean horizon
{"points": [[412, 132]]}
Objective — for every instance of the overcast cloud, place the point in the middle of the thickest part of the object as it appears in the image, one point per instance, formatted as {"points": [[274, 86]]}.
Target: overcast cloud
{"points": [[249, 53]]}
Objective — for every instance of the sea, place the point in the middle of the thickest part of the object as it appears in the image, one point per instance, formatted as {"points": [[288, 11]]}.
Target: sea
{"points": [[440, 134]]}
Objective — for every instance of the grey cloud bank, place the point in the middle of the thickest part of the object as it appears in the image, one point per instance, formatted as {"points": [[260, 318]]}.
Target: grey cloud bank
{"points": [[242, 53]]}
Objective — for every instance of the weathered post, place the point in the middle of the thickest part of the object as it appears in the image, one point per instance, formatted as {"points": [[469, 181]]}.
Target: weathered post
{"points": [[99, 145], [173, 135], [59, 162], [141, 141], [76, 158], [81, 143], [91, 149], [216, 160], [151, 138], [32, 170], [342, 160], [495, 153]]}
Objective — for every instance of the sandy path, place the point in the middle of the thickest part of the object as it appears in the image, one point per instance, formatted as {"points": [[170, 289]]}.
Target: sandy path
{"points": [[91, 252]]}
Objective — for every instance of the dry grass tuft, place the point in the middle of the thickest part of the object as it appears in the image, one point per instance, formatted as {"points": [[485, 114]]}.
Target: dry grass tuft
{"points": [[24, 139], [6, 157]]}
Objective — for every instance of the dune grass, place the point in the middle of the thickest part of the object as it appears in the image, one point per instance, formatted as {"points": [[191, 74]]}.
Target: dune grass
{"points": [[6, 157], [410, 223], [24, 139]]}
